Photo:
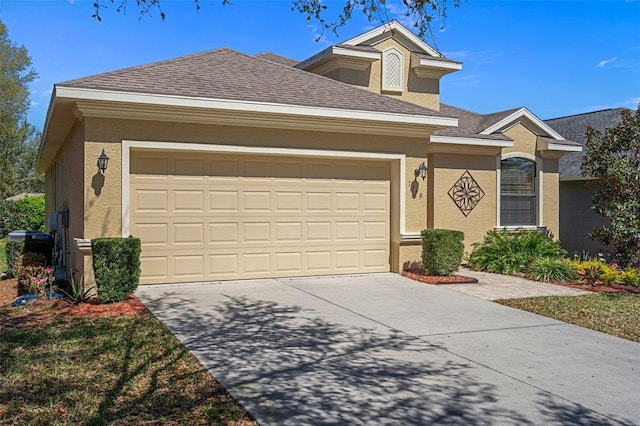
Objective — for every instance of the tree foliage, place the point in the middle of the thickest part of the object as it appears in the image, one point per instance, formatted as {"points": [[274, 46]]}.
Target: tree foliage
{"points": [[18, 139], [613, 159], [422, 13]]}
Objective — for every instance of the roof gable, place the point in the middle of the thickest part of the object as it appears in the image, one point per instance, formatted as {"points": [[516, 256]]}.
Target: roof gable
{"points": [[399, 32]]}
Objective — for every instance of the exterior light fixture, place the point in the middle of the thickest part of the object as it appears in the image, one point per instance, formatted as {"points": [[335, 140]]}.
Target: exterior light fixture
{"points": [[421, 171], [103, 160]]}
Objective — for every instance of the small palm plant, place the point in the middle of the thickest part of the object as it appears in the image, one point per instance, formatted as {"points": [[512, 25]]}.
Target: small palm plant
{"points": [[77, 294]]}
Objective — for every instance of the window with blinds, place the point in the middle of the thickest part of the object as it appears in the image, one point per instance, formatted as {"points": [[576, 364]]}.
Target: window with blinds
{"points": [[517, 192]]}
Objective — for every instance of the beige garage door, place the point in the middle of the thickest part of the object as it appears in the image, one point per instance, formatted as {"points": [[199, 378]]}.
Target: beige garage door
{"points": [[216, 217]]}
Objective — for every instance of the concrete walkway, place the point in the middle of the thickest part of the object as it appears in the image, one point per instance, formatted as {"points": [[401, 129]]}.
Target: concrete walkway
{"points": [[495, 286], [383, 349]]}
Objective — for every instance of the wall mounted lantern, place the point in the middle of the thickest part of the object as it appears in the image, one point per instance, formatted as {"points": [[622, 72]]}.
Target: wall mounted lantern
{"points": [[103, 160], [421, 171]]}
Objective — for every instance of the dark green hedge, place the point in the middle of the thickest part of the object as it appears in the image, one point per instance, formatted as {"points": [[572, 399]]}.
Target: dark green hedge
{"points": [[116, 264], [14, 249], [442, 251]]}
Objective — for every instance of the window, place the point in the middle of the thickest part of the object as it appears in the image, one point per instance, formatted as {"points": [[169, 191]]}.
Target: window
{"points": [[517, 192], [392, 70]]}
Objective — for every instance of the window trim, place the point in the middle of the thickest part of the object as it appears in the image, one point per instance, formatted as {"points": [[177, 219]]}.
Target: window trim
{"points": [[383, 80], [539, 188]]}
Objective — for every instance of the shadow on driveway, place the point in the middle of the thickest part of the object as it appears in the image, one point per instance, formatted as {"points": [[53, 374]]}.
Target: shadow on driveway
{"points": [[290, 365]]}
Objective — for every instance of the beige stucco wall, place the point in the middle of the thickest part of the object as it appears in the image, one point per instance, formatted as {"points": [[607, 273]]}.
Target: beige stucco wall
{"points": [[551, 196], [64, 190], [444, 172], [103, 195], [102, 215], [524, 140]]}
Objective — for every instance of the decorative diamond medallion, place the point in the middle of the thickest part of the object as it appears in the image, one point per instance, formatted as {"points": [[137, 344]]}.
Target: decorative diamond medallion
{"points": [[466, 193]]}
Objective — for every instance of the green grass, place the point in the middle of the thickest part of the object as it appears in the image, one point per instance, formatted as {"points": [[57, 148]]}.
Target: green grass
{"points": [[613, 313], [3, 255], [110, 370]]}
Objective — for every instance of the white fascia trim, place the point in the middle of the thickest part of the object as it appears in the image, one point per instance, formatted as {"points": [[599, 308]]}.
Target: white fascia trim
{"points": [[439, 64], [356, 53], [251, 106], [127, 145], [393, 25], [336, 50], [470, 141], [522, 112], [562, 147]]}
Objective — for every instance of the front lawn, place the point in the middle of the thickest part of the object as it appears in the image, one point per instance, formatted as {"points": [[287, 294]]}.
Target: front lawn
{"points": [[105, 370], [613, 313]]}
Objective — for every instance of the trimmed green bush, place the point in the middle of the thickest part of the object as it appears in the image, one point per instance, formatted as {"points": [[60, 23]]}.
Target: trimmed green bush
{"points": [[14, 249], [442, 251], [116, 264], [511, 253], [552, 269]]}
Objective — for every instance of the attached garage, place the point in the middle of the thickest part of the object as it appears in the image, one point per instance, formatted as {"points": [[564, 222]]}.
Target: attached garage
{"points": [[217, 216]]}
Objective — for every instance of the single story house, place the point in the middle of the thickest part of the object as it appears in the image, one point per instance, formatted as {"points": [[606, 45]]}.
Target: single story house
{"points": [[577, 217], [232, 166]]}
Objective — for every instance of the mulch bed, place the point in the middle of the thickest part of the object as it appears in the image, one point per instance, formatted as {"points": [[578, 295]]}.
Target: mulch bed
{"points": [[42, 309], [599, 287], [424, 277]]}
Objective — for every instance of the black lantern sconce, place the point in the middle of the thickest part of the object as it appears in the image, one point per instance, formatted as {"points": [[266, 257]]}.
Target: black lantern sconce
{"points": [[103, 160], [421, 171]]}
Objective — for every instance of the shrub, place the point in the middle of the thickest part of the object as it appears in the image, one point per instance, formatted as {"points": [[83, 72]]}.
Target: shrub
{"points": [[26, 213], [551, 269], [442, 251], [33, 275], [511, 253], [116, 264], [630, 277], [31, 213], [14, 249]]}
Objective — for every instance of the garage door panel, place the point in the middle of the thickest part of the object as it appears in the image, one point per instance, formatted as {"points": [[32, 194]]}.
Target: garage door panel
{"points": [[188, 233], [256, 201], [223, 233], [189, 168], [288, 232], [223, 264], [188, 201], [188, 265], [151, 200], [154, 267], [152, 233], [244, 218], [289, 201]]}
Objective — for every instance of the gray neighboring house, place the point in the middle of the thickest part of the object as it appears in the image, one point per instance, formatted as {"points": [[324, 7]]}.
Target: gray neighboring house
{"points": [[577, 217]]}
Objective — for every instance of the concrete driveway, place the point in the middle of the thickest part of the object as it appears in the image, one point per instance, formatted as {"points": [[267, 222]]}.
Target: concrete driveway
{"points": [[382, 349]]}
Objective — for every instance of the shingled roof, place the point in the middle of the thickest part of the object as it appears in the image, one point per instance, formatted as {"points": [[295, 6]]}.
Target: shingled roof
{"points": [[574, 127], [227, 74], [278, 59], [470, 124]]}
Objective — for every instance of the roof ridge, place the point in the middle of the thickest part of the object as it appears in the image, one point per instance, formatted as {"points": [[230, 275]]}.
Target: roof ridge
{"points": [[587, 113]]}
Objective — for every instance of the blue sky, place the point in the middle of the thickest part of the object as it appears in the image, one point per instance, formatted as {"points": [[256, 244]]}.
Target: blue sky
{"points": [[556, 58]]}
